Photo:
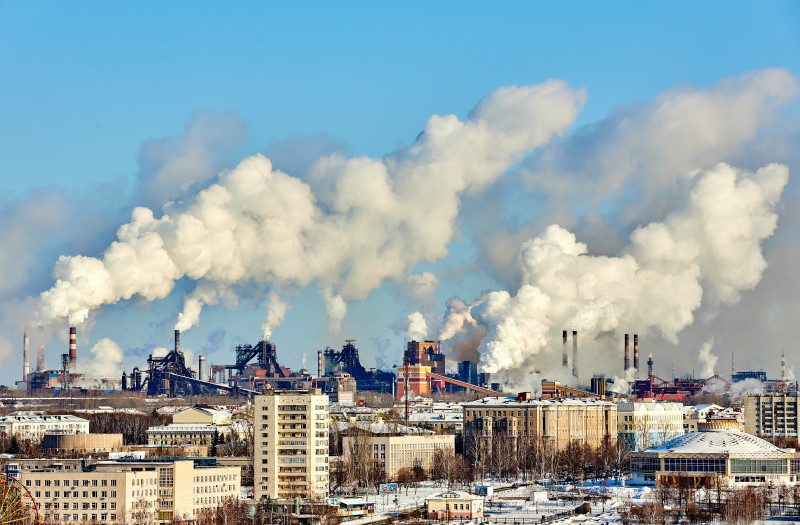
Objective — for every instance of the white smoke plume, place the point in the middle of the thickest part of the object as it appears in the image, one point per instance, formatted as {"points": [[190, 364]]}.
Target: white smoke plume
{"points": [[357, 223], [105, 361], [417, 327], [707, 359], [707, 249], [422, 286], [462, 333], [276, 312]]}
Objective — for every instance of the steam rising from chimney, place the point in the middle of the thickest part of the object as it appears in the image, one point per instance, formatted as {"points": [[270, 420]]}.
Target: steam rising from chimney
{"points": [[656, 283], [349, 226]]}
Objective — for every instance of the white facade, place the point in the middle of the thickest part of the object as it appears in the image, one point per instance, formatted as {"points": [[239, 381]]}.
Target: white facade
{"points": [[291, 444], [648, 424], [35, 427]]}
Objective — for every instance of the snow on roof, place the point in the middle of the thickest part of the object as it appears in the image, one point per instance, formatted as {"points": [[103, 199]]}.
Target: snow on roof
{"points": [[454, 494], [513, 401], [716, 442]]}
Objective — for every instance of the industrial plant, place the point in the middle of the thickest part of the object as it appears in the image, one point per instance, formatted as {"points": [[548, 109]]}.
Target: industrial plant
{"points": [[340, 374]]}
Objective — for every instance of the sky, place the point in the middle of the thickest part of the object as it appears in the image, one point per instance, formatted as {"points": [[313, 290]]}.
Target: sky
{"points": [[323, 172]]}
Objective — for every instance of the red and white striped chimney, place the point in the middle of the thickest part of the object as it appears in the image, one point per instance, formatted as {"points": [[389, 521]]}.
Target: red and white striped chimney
{"points": [[26, 364], [73, 348], [636, 353]]}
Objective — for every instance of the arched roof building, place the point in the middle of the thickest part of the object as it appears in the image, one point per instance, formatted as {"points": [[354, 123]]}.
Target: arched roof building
{"points": [[716, 454]]}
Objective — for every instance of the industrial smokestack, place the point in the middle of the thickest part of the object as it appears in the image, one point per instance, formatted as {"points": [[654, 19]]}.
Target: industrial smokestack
{"points": [[177, 340], [319, 363], [73, 347], [636, 353], [575, 353], [565, 359], [201, 363], [26, 364], [627, 353]]}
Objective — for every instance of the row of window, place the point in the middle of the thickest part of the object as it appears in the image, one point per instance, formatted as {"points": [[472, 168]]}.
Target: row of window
{"points": [[74, 494], [85, 506]]}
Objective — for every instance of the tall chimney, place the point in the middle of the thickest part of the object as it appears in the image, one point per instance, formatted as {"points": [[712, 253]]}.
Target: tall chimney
{"points": [[201, 363], [575, 353], [40, 366], [627, 353], [73, 348], [26, 364], [177, 340], [565, 359], [319, 363], [636, 353]]}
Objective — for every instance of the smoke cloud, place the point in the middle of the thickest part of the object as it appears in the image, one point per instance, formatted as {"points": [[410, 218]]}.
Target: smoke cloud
{"points": [[104, 360], [707, 359], [276, 311], [356, 223], [417, 327], [707, 249]]}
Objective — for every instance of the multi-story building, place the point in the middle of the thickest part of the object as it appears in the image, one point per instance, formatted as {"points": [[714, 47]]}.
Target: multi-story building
{"points": [[35, 427], [197, 434], [396, 452], [557, 421], [771, 415], [648, 424], [291, 444], [138, 492]]}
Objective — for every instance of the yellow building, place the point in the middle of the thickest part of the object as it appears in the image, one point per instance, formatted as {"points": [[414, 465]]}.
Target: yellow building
{"points": [[206, 416], [400, 451], [523, 420], [454, 505], [140, 492], [291, 444]]}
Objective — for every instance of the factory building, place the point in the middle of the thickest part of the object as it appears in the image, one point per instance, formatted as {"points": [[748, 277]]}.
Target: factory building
{"points": [[557, 421], [291, 444], [426, 353], [717, 455]]}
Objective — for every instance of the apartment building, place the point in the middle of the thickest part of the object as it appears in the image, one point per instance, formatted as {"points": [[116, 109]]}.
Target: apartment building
{"points": [[648, 424], [35, 427], [139, 492], [394, 453], [771, 415], [291, 444], [522, 419]]}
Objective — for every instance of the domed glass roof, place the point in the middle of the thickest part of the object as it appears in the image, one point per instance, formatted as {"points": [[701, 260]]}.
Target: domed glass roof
{"points": [[716, 442]]}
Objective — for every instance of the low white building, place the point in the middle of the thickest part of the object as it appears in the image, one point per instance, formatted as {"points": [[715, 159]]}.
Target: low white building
{"points": [[648, 424], [185, 434], [35, 427]]}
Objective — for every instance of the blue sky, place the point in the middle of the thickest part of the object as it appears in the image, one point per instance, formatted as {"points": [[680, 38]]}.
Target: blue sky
{"points": [[86, 84]]}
